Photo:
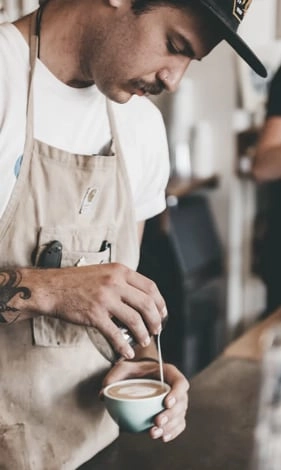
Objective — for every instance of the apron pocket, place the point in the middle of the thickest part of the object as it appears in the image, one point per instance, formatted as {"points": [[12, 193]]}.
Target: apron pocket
{"points": [[13, 448], [80, 247]]}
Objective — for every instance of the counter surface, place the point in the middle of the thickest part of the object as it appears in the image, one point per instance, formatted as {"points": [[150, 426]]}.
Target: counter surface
{"points": [[219, 433], [220, 421]]}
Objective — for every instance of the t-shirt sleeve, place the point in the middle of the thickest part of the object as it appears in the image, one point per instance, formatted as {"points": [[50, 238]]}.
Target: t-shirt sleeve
{"points": [[143, 142], [274, 97], [151, 196]]}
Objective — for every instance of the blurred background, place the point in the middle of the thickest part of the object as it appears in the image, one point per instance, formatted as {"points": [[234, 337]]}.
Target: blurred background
{"points": [[202, 251]]}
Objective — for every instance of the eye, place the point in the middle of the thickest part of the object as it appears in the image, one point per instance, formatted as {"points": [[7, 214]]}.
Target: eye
{"points": [[180, 46], [172, 47]]}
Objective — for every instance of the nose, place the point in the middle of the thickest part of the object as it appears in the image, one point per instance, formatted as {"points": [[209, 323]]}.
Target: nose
{"points": [[171, 76]]}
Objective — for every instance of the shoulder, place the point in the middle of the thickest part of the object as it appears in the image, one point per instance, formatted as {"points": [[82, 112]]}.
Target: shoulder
{"points": [[13, 48], [274, 96], [14, 69], [278, 74], [275, 84], [14, 58]]}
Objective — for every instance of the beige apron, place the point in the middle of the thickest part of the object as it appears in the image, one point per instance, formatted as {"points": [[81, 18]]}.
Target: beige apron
{"points": [[51, 371]]}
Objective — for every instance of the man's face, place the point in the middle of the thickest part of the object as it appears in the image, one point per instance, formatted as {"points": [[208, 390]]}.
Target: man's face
{"points": [[144, 54]]}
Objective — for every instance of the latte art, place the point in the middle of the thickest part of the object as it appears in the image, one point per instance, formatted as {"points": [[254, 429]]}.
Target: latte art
{"points": [[136, 390]]}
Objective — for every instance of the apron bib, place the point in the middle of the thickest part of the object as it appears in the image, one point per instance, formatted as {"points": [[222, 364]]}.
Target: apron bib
{"points": [[51, 371]]}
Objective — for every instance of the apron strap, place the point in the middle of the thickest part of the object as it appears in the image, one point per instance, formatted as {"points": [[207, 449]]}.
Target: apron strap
{"points": [[33, 54], [116, 145]]}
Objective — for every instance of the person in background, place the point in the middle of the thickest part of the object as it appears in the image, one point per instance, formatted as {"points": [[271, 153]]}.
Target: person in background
{"points": [[267, 159], [83, 164], [266, 170]]}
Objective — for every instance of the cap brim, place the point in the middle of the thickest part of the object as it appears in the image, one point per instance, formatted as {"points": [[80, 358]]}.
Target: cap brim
{"points": [[246, 53], [238, 44]]}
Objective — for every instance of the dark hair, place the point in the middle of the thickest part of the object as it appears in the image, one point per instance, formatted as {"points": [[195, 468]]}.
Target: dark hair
{"points": [[143, 6]]}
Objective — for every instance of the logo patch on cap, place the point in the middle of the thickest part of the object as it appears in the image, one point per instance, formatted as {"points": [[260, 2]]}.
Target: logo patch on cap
{"points": [[240, 7]]}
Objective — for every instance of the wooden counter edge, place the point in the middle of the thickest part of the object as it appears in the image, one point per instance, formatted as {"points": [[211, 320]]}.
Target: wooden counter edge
{"points": [[249, 345]]}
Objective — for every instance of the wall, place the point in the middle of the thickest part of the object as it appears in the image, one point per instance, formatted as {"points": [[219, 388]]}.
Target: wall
{"points": [[217, 93]]}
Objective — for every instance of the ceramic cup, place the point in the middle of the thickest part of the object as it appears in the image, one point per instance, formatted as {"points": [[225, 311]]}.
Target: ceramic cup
{"points": [[134, 403]]}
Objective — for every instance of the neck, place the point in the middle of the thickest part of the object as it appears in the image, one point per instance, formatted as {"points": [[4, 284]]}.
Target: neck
{"points": [[60, 30]]}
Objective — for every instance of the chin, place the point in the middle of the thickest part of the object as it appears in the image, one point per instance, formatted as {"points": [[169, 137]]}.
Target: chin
{"points": [[118, 95], [124, 100]]}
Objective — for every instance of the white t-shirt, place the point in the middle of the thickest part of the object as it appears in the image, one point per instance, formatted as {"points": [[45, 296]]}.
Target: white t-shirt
{"points": [[76, 120]]}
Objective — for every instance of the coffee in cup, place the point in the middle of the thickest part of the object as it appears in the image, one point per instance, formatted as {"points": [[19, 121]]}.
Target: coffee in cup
{"points": [[134, 403], [136, 390]]}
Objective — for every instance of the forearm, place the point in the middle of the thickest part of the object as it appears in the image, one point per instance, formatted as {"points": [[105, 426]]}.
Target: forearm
{"points": [[267, 164], [21, 294]]}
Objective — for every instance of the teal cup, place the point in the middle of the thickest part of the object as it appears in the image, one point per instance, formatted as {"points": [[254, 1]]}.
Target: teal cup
{"points": [[134, 403]]}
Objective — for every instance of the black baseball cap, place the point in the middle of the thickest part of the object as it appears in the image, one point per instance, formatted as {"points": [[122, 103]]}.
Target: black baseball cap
{"points": [[229, 14]]}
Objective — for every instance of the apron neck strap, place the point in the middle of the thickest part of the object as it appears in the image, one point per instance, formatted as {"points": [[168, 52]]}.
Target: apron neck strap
{"points": [[33, 54]]}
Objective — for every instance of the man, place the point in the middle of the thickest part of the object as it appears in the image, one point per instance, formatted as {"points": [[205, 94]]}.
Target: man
{"points": [[83, 164], [267, 169], [267, 161]]}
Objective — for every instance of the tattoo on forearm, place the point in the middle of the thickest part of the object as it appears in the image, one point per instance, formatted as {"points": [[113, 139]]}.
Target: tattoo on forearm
{"points": [[9, 282]]}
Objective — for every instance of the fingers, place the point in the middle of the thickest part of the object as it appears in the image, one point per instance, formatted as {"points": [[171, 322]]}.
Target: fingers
{"points": [[139, 313], [136, 302], [171, 422], [129, 323], [177, 381], [143, 310], [120, 371], [150, 289], [114, 335]]}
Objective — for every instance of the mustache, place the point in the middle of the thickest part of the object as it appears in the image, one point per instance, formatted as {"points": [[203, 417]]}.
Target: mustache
{"points": [[149, 88]]}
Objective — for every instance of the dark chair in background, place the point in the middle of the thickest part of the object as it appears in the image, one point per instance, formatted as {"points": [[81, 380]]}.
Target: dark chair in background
{"points": [[186, 261]]}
